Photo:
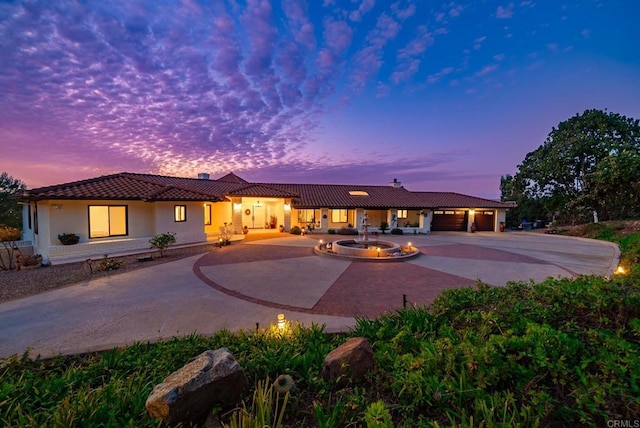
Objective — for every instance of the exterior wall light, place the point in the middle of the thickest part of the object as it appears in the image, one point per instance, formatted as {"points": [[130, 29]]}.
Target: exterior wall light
{"points": [[237, 207], [287, 207]]}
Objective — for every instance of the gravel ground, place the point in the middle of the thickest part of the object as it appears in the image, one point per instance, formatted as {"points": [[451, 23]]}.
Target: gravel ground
{"points": [[16, 284]]}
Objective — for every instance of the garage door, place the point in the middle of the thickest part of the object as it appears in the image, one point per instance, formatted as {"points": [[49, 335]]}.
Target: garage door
{"points": [[449, 220], [484, 221]]}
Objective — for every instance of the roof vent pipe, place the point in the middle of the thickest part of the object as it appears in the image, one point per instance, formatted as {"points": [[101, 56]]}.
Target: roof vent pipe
{"points": [[395, 183], [203, 176]]}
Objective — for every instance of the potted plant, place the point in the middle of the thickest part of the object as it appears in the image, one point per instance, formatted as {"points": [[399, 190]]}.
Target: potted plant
{"points": [[28, 261], [68, 238], [281, 228], [273, 221], [384, 226], [245, 230]]}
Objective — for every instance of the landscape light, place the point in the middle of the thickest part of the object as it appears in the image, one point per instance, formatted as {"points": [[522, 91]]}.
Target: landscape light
{"points": [[281, 321], [620, 271]]}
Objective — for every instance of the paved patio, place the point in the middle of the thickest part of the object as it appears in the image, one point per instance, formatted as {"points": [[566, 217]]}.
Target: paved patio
{"points": [[245, 284]]}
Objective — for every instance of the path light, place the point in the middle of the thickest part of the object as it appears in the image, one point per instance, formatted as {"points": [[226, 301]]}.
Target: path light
{"points": [[281, 321], [620, 270], [378, 251], [321, 243], [409, 246]]}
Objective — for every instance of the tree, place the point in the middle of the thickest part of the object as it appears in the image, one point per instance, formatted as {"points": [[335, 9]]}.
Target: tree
{"points": [[577, 169], [10, 210], [512, 190]]}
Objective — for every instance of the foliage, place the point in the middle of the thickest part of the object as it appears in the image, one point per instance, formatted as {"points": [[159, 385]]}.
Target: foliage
{"points": [[347, 231], [10, 211], [396, 231], [588, 163], [107, 264], [8, 236], [512, 190], [295, 230], [162, 241], [331, 231], [267, 408], [384, 226]]}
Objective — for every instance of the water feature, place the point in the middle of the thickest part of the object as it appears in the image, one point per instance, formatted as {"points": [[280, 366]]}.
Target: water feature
{"points": [[366, 247]]}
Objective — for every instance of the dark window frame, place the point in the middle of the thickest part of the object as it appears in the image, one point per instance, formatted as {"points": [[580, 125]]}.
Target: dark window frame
{"points": [[126, 220], [183, 215], [208, 208]]}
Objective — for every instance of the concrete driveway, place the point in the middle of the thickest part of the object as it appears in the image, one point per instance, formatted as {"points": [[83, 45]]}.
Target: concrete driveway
{"points": [[247, 283]]}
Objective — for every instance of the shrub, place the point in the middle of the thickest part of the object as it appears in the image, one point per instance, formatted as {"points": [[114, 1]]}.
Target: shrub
{"points": [[107, 264], [347, 231], [396, 231], [162, 241], [295, 230], [384, 226], [8, 236], [331, 231]]}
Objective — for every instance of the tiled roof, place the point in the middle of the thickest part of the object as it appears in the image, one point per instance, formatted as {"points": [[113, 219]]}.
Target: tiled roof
{"points": [[340, 196], [457, 200], [149, 187], [121, 186], [232, 178]]}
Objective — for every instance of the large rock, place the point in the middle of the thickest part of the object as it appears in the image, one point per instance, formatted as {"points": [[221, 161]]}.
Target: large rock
{"points": [[190, 393], [353, 359]]}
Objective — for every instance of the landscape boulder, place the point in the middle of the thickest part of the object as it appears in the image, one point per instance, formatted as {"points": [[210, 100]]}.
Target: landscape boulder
{"points": [[190, 393], [351, 360]]}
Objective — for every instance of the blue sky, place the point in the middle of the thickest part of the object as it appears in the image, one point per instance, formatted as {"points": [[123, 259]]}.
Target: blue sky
{"points": [[440, 95]]}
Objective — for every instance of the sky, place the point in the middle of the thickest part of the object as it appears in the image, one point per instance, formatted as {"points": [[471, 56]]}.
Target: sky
{"points": [[441, 95]]}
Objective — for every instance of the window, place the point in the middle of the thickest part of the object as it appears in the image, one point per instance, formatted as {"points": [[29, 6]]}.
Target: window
{"points": [[207, 214], [180, 213], [107, 220], [29, 215], [402, 214], [306, 216], [358, 193], [339, 216]]}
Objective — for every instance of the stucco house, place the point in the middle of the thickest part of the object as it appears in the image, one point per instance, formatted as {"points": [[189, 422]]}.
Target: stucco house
{"points": [[119, 213]]}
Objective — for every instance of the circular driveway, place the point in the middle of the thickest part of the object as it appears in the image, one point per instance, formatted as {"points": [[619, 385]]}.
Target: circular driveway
{"points": [[284, 273], [245, 285]]}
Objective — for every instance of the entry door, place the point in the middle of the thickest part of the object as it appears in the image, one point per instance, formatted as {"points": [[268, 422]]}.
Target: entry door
{"points": [[258, 217]]}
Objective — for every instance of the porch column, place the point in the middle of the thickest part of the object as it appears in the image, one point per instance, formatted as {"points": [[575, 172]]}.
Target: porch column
{"points": [[236, 207], [287, 215]]}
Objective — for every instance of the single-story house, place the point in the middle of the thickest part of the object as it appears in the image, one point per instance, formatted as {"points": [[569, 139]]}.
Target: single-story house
{"points": [[119, 213]]}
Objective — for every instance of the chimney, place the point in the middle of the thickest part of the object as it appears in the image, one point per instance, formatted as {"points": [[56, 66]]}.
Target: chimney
{"points": [[203, 176], [395, 183]]}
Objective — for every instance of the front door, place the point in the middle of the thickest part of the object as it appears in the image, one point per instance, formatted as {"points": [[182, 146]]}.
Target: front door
{"points": [[258, 217]]}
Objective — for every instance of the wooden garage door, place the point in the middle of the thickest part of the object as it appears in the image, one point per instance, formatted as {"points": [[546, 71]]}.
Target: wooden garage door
{"points": [[485, 221], [449, 220]]}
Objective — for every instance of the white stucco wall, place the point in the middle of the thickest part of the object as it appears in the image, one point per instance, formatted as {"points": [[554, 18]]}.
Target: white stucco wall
{"points": [[186, 232]]}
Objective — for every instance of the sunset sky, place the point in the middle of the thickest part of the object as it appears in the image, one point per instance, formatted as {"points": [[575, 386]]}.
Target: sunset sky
{"points": [[442, 95]]}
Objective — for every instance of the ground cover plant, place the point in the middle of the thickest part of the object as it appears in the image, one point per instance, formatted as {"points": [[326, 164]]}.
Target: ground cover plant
{"points": [[557, 353]]}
